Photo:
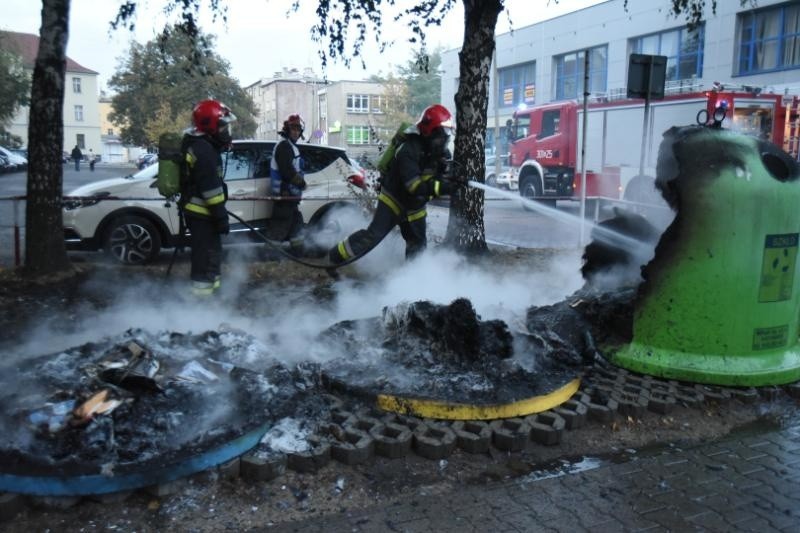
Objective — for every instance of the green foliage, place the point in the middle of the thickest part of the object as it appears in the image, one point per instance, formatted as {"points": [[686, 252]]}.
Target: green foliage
{"points": [[423, 78], [163, 78], [15, 85]]}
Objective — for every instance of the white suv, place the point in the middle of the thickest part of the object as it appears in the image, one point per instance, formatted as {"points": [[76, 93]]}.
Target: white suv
{"points": [[130, 220]]}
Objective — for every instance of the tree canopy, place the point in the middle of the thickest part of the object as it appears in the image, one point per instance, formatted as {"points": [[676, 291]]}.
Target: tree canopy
{"points": [[160, 81], [15, 87]]}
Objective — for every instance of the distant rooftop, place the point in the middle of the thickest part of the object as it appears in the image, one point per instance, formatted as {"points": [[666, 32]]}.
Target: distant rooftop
{"points": [[26, 45]]}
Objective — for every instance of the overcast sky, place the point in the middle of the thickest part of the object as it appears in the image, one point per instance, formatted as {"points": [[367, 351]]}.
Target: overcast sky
{"points": [[259, 39]]}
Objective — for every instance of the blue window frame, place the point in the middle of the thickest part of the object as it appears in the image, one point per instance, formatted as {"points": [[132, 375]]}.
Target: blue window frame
{"points": [[768, 39], [569, 72], [517, 85], [684, 51]]}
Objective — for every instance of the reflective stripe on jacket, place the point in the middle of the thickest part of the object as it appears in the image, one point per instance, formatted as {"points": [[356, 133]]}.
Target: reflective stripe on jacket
{"points": [[206, 195], [281, 171]]}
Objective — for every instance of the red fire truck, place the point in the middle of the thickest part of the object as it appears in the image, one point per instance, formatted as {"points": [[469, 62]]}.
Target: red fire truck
{"points": [[546, 147]]}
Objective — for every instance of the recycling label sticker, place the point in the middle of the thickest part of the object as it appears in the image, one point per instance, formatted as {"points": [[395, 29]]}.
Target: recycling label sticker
{"points": [[777, 268], [770, 338]]}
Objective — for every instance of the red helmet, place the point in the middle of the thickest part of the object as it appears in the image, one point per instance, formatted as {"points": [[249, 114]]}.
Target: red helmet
{"points": [[434, 116], [210, 116], [294, 120]]}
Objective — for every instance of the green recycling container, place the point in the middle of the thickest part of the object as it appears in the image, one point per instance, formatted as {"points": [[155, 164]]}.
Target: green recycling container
{"points": [[720, 301]]}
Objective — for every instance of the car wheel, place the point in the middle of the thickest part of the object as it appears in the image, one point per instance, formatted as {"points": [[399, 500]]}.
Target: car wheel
{"points": [[132, 240], [333, 222], [491, 180], [532, 190]]}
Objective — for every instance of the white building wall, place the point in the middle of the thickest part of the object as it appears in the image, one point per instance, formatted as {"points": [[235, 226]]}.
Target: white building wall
{"points": [[89, 126], [609, 24]]}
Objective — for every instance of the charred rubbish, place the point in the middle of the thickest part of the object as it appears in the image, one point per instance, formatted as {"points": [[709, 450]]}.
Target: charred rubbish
{"points": [[444, 352], [140, 402]]}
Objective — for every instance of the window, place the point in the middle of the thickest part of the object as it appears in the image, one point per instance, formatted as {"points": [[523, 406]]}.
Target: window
{"points": [[317, 158], [378, 103], [517, 85], [238, 164], [76, 85], [110, 131], [358, 103], [80, 140], [358, 135], [684, 51], [550, 120], [569, 72], [768, 39], [79, 113]]}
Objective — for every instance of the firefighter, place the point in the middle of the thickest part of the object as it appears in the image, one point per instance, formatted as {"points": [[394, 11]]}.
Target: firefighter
{"points": [[414, 177], [204, 195], [287, 181]]}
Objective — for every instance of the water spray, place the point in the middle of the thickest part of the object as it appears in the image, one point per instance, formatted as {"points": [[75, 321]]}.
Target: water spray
{"points": [[606, 235]]}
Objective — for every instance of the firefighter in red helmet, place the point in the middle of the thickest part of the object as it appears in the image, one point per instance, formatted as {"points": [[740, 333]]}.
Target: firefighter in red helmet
{"points": [[287, 181], [415, 176], [204, 194]]}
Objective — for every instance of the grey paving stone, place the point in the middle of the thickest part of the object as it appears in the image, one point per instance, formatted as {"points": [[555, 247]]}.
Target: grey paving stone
{"points": [[710, 521], [669, 519]]}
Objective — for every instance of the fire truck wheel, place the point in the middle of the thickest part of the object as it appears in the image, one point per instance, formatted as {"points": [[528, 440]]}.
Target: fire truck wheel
{"points": [[531, 189]]}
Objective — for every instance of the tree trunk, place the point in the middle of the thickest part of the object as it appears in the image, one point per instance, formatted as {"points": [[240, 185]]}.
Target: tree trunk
{"points": [[45, 252], [465, 228]]}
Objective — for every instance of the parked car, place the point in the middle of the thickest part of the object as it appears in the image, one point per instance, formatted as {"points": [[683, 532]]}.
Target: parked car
{"points": [[17, 161], [145, 160], [5, 164], [134, 231], [505, 179]]}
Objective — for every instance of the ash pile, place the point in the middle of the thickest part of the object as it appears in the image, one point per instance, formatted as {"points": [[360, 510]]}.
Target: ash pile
{"points": [[140, 401], [446, 352]]}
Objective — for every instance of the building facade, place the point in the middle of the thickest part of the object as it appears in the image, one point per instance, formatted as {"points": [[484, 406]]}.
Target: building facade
{"points": [[353, 116], [544, 62], [286, 93], [81, 108]]}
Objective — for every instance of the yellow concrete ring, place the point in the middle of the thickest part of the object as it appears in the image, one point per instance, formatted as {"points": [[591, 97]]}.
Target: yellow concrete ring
{"points": [[461, 411]]}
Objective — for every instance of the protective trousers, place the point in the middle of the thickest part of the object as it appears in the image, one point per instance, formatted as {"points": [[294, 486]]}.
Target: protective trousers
{"points": [[412, 228], [206, 244], [288, 221]]}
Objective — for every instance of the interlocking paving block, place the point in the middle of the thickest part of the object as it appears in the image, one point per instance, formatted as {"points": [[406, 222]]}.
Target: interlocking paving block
{"points": [[631, 402], [10, 505], [661, 402], [263, 467], [546, 427], [639, 380], [392, 440], [364, 423], [510, 434], [434, 441], [472, 436], [356, 447], [230, 469], [744, 395], [574, 413], [714, 393], [404, 420], [601, 406], [342, 417], [334, 402], [688, 395], [769, 392], [317, 455], [793, 389]]}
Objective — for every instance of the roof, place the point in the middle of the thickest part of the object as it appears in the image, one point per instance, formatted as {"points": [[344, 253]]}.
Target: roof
{"points": [[26, 45]]}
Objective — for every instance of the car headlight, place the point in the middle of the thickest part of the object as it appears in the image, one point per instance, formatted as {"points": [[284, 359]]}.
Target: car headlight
{"points": [[72, 203]]}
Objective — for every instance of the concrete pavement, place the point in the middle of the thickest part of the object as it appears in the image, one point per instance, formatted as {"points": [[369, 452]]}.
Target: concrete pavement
{"points": [[744, 483]]}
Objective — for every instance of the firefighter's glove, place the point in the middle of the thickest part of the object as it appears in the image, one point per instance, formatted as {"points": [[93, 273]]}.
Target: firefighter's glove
{"points": [[298, 180], [222, 225]]}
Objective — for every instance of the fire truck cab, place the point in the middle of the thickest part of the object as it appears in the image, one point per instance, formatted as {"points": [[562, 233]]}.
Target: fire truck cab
{"points": [[547, 139]]}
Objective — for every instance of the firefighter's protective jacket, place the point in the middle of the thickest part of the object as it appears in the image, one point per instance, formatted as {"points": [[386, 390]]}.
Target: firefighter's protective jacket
{"points": [[286, 169], [206, 191], [414, 177]]}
